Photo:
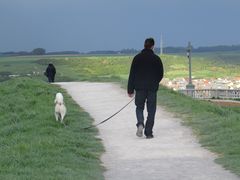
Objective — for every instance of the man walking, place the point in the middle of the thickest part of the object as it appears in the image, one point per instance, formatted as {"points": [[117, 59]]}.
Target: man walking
{"points": [[50, 72], [145, 75]]}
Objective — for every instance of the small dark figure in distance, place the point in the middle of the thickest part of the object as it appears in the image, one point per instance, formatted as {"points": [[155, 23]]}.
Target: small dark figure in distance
{"points": [[50, 72], [145, 75]]}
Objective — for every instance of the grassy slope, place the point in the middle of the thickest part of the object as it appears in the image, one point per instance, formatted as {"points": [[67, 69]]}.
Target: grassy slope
{"points": [[19, 66], [230, 57], [34, 146], [216, 127], [202, 67], [105, 68]]}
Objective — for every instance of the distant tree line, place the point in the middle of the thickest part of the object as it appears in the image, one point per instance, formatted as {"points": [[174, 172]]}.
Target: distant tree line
{"points": [[102, 52], [172, 50], [36, 51], [218, 48], [123, 51], [41, 51], [200, 49], [63, 52]]}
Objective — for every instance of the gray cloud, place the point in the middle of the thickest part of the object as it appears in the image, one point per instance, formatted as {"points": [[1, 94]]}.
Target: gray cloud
{"points": [[85, 25]]}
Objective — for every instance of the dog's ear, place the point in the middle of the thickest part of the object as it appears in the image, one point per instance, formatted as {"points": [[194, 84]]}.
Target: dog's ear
{"points": [[55, 101]]}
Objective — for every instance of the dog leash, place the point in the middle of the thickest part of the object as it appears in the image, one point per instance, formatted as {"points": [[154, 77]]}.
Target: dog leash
{"points": [[105, 120]]}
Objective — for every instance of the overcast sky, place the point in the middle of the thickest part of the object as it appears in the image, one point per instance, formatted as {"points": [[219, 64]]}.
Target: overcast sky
{"points": [[86, 25]]}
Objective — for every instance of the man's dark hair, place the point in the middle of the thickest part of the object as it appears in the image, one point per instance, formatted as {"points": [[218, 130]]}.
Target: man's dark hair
{"points": [[149, 43]]}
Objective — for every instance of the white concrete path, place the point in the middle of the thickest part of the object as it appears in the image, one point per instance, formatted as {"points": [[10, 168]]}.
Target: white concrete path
{"points": [[173, 154]]}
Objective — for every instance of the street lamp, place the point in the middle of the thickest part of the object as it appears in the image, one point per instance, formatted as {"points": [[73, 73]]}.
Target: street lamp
{"points": [[190, 86]]}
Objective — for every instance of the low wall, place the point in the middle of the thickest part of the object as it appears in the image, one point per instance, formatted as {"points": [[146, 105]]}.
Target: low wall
{"points": [[212, 93]]}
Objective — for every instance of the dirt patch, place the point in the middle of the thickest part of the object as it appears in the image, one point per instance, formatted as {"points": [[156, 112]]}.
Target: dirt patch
{"points": [[226, 103]]}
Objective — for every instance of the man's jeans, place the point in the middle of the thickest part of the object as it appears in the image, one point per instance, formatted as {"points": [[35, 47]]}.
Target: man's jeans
{"points": [[141, 97], [50, 78]]}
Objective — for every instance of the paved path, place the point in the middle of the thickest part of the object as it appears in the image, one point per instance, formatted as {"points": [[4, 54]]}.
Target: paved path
{"points": [[173, 154]]}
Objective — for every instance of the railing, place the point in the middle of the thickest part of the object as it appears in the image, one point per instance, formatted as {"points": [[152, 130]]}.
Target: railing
{"points": [[212, 93]]}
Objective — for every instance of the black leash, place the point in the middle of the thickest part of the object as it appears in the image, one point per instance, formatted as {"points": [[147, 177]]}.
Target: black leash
{"points": [[105, 120]]}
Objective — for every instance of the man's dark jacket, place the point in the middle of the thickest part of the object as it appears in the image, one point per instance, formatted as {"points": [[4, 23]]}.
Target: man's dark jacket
{"points": [[146, 72], [50, 71]]}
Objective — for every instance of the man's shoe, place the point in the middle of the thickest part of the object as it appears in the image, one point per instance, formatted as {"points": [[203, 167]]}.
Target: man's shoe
{"points": [[149, 136], [140, 131]]}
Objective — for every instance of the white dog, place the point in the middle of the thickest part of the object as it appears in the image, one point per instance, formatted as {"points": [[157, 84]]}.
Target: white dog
{"points": [[60, 109]]}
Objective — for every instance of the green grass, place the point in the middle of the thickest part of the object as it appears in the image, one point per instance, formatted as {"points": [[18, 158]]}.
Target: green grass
{"points": [[34, 146], [105, 68], [21, 65], [100, 68], [218, 128], [109, 68], [202, 67], [230, 57]]}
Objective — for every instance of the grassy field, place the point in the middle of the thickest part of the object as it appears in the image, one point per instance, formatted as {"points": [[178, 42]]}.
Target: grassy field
{"points": [[21, 66], [205, 66], [225, 57], [108, 68], [34, 146], [218, 128]]}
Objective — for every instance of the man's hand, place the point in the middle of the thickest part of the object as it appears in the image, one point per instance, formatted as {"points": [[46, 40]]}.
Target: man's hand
{"points": [[131, 95]]}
